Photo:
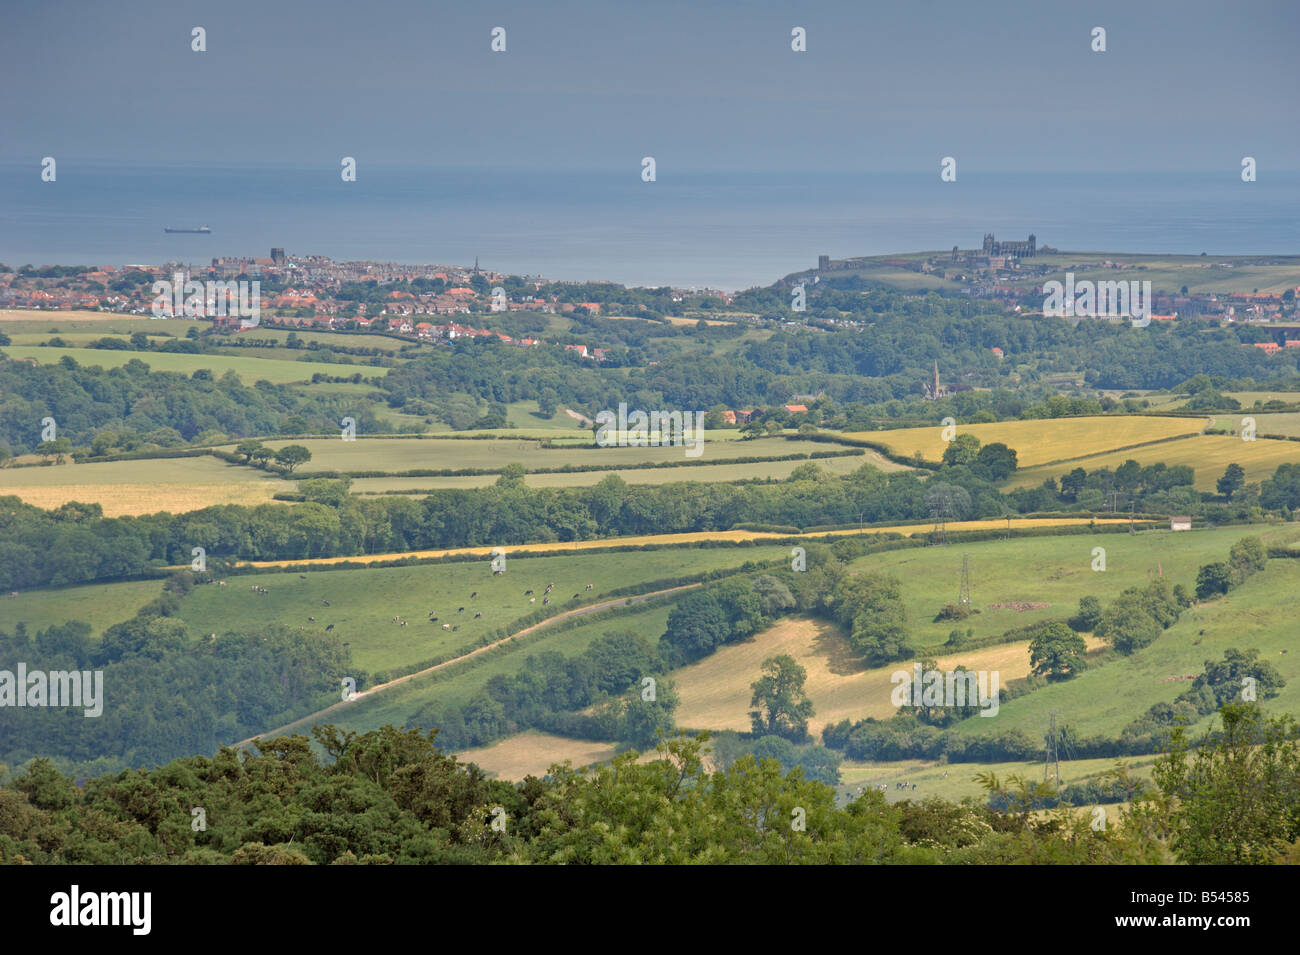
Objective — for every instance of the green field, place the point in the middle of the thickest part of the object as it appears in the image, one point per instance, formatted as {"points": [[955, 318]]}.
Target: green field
{"points": [[100, 605], [1260, 614], [249, 370], [956, 781], [1168, 273], [717, 472], [364, 602], [458, 685], [407, 454], [1287, 423], [1052, 570], [203, 469]]}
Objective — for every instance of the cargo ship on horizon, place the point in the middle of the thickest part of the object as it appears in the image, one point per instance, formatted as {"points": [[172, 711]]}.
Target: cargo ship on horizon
{"points": [[201, 230]]}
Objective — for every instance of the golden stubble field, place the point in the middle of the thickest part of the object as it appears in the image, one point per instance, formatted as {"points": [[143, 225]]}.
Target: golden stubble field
{"points": [[1208, 455], [132, 500], [532, 753], [1045, 440], [715, 692]]}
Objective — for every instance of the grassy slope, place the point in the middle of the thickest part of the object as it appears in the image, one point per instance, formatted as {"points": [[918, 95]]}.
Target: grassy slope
{"points": [[364, 602], [249, 369]]}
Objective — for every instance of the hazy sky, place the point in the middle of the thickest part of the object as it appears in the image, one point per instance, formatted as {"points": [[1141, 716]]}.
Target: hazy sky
{"points": [[699, 85]]}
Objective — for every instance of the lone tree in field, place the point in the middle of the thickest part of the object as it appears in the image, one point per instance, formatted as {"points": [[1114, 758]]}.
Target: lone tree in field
{"points": [[1056, 651], [784, 708], [292, 455]]}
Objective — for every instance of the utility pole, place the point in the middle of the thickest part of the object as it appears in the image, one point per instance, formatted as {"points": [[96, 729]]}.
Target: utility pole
{"points": [[1053, 752], [963, 591]]}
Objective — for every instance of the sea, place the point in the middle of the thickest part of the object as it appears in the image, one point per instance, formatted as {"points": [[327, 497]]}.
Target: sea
{"points": [[704, 229]]}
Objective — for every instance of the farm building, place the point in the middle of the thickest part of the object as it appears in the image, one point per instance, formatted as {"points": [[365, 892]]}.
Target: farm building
{"points": [[1180, 523]]}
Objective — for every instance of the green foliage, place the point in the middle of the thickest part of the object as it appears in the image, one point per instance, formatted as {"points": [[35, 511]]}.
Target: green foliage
{"points": [[1089, 615], [1238, 795], [871, 608], [1213, 580], [1234, 476], [1056, 651], [783, 707]]}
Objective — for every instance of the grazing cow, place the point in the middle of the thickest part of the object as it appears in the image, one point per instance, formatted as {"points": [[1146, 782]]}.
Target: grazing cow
{"points": [[528, 593], [455, 628], [312, 619], [330, 627], [477, 615], [460, 609], [589, 586], [302, 576], [433, 620], [574, 597], [325, 603], [403, 623], [446, 626], [545, 601], [532, 600], [473, 595]]}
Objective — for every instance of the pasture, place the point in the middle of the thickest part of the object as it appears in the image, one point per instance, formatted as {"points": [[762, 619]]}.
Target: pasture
{"points": [[363, 603], [1260, 614], [19, 318], [778, 470], [100, 605], [956, 781], [408, 454], [458, 684], [913, 530], [1168, 273], [1056, 571], [1285, 423], [1041, 441], [249, 370]]}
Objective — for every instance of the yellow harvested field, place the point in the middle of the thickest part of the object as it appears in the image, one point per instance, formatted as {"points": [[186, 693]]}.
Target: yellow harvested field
{"points": [[715, 692], [1042, 441], [129, 500], [533, 753], [1207, 455], [665, 540], [679, 320]]}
